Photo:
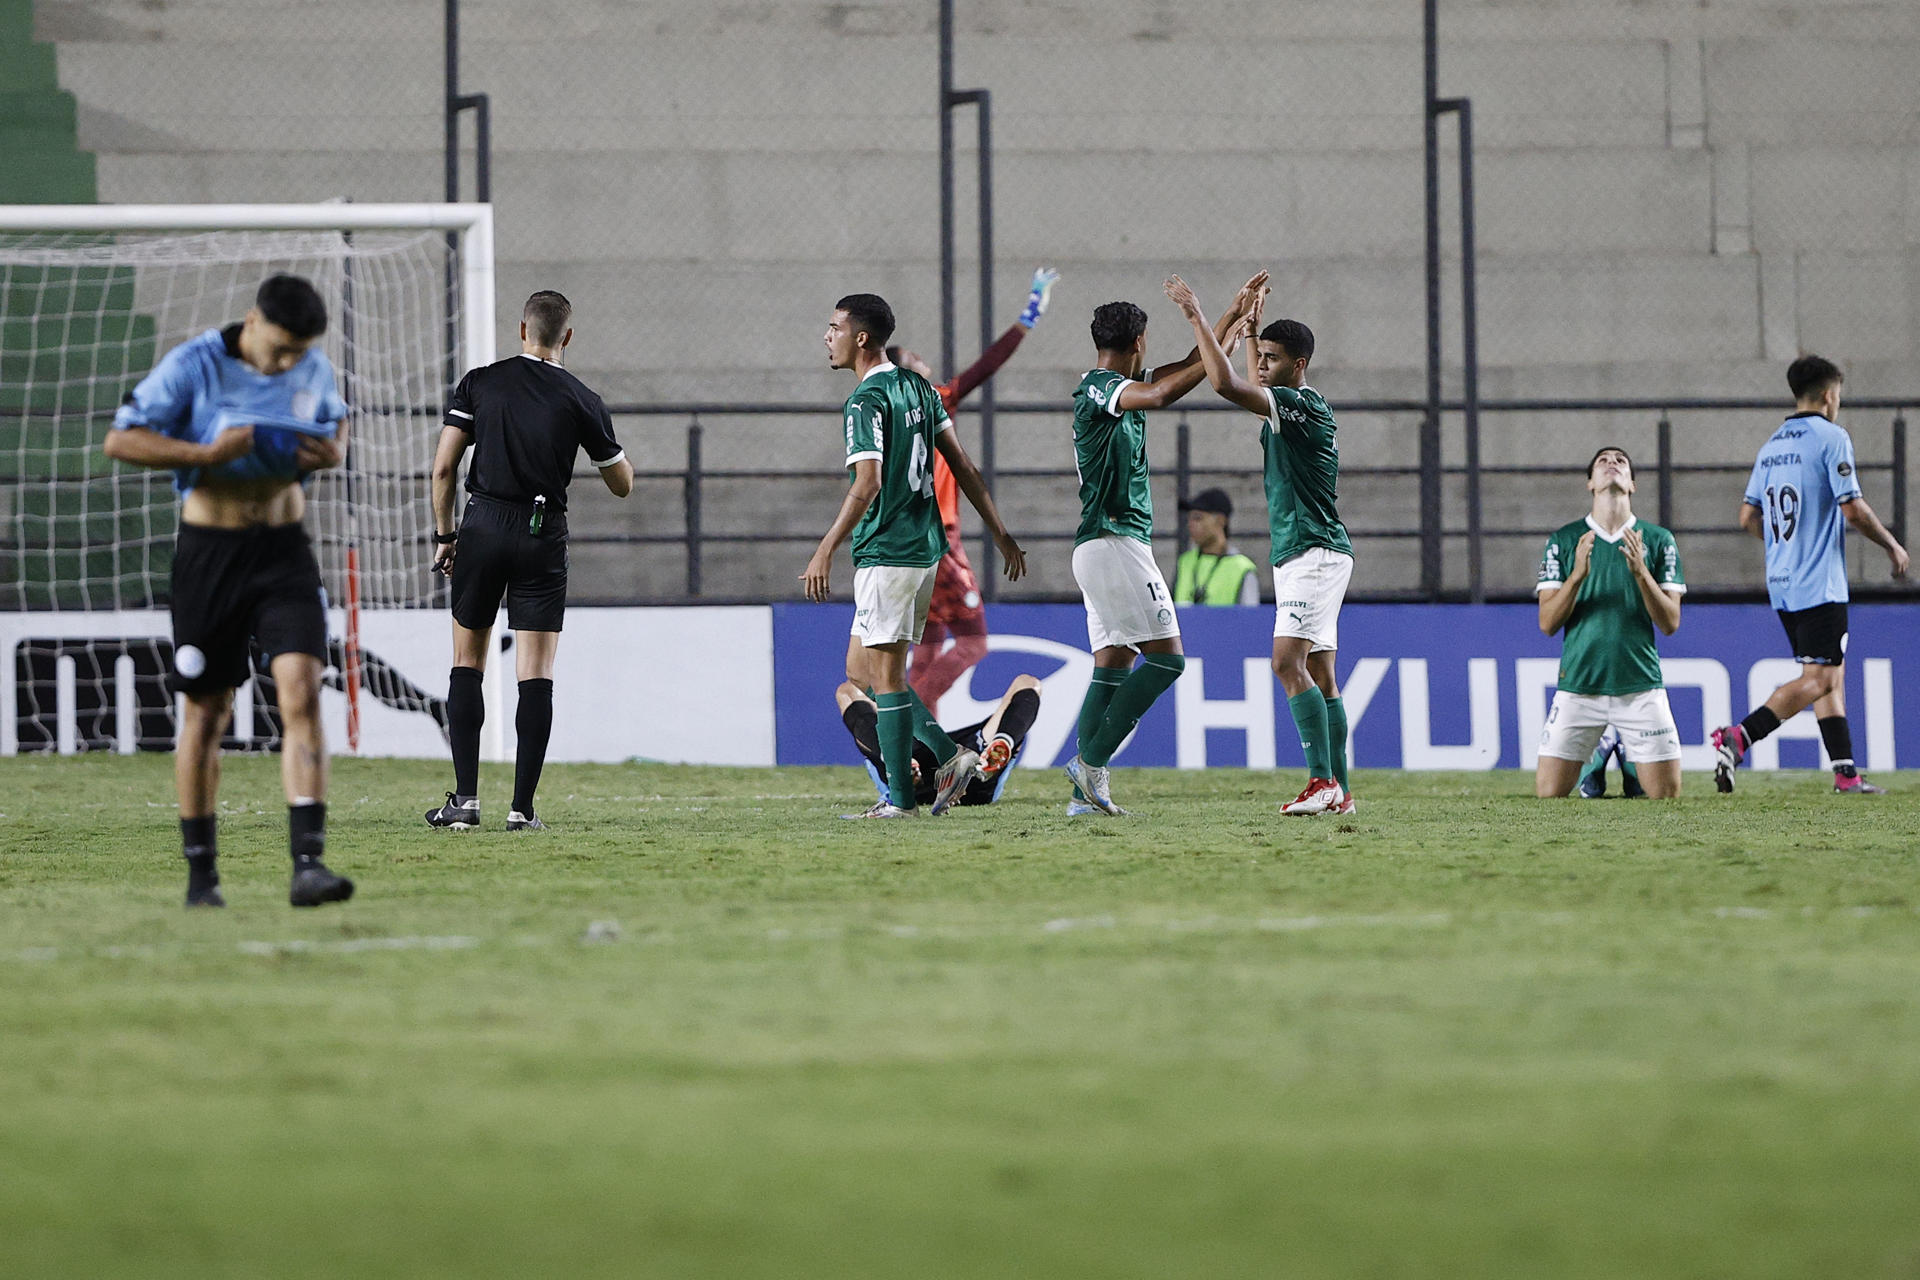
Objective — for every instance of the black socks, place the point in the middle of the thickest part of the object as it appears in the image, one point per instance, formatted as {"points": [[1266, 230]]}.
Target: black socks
{"points": [[533, 723], [1022, 709], [1759, 723], [863, 722], [466, 713], [197, 843], [307, 832], [1838, 740]]}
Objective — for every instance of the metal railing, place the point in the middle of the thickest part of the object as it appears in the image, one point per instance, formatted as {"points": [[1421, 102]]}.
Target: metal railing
{"points": [[695, 475]]}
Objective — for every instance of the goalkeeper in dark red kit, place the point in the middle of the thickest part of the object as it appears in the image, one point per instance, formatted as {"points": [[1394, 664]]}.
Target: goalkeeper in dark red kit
{"points": [[955, 610]]}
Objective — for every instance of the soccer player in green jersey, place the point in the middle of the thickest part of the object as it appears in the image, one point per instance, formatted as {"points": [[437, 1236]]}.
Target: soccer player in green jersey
{"points": [[895, 422], [1312, 557], [1129, 609], [1609, 580]]}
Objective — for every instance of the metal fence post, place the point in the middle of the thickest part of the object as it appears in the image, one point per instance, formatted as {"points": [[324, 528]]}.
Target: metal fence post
{"points": [[1182, 477], [1898, 508], [1664, 435], [692, 497]]}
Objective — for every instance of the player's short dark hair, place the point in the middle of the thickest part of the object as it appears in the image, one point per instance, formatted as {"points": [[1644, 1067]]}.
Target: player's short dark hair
{"points": [[869, 313], [1117, 325], [292, 303], [1609, 448], [547, 314], [1811, 375], [1292, 336]]}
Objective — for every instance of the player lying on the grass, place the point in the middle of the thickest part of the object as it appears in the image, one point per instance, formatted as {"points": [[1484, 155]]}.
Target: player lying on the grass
{"points": [[1312, 555], [894, 423], [1129, 609], [998, 739], [1803, 485], [1606, 581], [242, 416], [955, 610]]}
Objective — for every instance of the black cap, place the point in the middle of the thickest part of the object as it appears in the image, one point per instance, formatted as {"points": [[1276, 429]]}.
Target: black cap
{"points": [[1214, 500]]}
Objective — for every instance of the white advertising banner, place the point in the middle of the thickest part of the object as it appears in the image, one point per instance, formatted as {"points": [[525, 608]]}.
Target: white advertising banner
{"points": [[692, 686]]}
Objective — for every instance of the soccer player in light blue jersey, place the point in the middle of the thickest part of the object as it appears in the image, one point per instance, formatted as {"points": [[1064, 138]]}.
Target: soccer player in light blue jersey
{"points": [[241, 416], [1804, 485]]}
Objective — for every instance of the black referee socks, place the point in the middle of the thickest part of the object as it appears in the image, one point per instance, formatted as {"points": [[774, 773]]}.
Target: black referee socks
{"points": [[533, 724], [466, 713], [307, 832]]}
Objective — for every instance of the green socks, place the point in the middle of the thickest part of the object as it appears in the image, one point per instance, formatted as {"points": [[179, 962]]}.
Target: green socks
{"points": [[1093, 710], [1141, 686], [1337, 739], [1310, 718], [895, 717], [927, 731]]}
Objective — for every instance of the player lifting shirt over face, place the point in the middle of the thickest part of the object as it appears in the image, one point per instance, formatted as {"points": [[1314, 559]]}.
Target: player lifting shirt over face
{"points": [[241, 416]]}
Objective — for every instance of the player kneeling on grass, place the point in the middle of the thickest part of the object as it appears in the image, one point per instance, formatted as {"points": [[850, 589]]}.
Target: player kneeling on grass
{"points": [[1312, 555], [242, 416], [895, 422], [1608, 580], [998, 740]]}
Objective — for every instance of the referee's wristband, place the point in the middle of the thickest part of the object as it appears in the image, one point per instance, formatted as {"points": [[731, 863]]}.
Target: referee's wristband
{"points": [[445, 539]]}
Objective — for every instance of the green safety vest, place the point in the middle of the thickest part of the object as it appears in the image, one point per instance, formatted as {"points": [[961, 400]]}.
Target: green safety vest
{"points": [[1201, 579]]}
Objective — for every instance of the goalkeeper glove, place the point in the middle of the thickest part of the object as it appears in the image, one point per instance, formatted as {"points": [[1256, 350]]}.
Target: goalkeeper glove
{"points": [[1037, 297]]}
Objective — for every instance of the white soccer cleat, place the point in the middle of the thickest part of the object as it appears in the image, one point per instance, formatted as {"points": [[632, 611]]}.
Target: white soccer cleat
{"points": [[1078, 808], [883, 810], [1094, 785], [1322, 795], [950, 782], [1346, 807]]}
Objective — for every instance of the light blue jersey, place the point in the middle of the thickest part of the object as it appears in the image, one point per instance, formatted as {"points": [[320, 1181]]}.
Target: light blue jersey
{"points": [[202, 387], [1803, 474]]}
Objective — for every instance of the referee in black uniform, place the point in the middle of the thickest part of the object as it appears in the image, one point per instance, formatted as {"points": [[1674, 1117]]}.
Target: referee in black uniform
{"points": [[524, 418]]}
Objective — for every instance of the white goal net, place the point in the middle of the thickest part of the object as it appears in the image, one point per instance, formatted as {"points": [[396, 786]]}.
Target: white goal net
{"points": [[86, 544]]}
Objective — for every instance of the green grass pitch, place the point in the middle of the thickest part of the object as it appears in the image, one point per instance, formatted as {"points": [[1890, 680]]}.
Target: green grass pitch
{"points": [[704, 1028]]}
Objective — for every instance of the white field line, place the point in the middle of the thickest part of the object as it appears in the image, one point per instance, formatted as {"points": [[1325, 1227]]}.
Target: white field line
{"points": [[611, 932]]}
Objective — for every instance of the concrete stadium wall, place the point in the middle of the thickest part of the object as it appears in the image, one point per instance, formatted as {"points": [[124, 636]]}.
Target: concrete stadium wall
{"points": [[1673, 199]]}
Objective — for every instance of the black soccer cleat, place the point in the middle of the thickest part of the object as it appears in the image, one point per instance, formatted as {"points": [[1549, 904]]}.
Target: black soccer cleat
{"points": [[314, 884], [208, 896], [454, 816], [518, 821]]}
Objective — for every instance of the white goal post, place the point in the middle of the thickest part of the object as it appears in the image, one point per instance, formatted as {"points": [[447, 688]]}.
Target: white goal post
{"points": [[90, 297]]}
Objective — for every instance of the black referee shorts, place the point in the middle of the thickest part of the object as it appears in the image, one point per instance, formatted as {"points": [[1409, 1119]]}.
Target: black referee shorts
{"points": [[1818, 635], [496, 556], [234, 585]]}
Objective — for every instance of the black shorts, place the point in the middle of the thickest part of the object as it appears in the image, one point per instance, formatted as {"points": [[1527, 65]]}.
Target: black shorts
{"points": [[232, 586], [1818, 635], [497, 556]]}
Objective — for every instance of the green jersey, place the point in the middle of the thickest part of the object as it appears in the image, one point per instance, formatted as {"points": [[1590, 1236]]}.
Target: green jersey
{"points": [[1110, 453], [1608, 648], [892, 417], [1303, 474]]}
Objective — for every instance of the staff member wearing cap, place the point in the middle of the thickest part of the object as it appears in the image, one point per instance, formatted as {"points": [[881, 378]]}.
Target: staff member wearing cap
{"points": [[1212, 570]]}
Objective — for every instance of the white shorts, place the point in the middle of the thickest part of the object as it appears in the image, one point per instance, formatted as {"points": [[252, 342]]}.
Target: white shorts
{"points": [[1127, 600], [890, 602], [1645, 721], [1307, 591]]}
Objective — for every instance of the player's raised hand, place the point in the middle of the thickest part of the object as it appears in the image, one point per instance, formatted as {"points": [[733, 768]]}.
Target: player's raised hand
{"points": [[1634, 548], [317, 453], [232, 443], [1038, 294], [1012, 557], [1583, 555], [1181, 295], [1252, 295], [817, 578]]}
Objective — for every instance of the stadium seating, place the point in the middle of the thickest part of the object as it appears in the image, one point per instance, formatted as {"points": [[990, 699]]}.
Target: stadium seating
{"points": [[1672, 200]]}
